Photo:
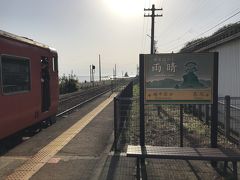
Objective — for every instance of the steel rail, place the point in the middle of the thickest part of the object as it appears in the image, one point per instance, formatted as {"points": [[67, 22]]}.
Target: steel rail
{"points": [[82, 103], [80, 93]]}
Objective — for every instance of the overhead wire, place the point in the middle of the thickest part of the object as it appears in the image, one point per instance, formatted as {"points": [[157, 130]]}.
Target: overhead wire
{"points": [[213, 36], [178, 20], [188, 33], [219, 19], [162, 3], [220, 23], [143, 39], [212, 27], [226, 19], [159, 3], [145, 27]]}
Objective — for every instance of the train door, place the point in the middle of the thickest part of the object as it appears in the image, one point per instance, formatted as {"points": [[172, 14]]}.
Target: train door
{"points": [[45, 84]]}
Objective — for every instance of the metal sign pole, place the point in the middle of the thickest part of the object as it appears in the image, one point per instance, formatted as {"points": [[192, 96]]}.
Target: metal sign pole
{"points": [[181, 125], [141, 92], [214, 121], [214, 110]]}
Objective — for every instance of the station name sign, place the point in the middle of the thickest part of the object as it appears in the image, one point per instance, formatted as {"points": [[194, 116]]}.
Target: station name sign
{"points": [[178, 78]]}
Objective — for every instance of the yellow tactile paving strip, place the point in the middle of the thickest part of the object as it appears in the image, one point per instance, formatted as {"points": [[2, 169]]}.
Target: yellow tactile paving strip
{"points": [[31, 166]]}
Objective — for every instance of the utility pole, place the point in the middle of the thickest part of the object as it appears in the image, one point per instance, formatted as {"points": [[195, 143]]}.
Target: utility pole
{"points": [[90, 73], [99, 58], [137, 71], [153, 15], [115, 71], [115, 74]]}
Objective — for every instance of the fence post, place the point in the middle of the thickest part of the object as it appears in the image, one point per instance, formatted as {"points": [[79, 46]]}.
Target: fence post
{"points": [[227, 115], [214, 108], [131, 89], [190, 108], [115, 124], [142, 108], [194, 110], [158, 110], [207, 114], [181, 125], [200, 112]]}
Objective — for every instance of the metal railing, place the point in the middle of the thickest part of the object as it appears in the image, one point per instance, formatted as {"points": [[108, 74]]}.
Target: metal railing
{"points": [[122, 110], [163, 126], [228, 116]]}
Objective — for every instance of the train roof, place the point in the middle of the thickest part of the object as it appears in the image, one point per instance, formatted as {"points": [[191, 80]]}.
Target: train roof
{"points": [[25, 40]]}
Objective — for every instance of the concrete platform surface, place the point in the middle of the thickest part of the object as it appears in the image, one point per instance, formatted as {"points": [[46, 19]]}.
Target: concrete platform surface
{"points": [[82, 155], [85, 155]]}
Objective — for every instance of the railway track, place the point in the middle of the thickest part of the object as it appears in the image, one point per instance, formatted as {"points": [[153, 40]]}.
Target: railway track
{"points": [[69, 102]]}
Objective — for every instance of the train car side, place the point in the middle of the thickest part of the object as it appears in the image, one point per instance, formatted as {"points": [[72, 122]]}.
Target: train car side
{"points": [[27, 96]]}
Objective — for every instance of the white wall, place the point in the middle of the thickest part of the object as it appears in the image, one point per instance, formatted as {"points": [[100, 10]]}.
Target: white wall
{"points": [[229, 68]]}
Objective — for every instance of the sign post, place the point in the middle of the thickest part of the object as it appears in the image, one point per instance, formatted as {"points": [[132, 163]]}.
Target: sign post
{"points": [[190, 78], [214, 110], [142, 92], [214, 116]]}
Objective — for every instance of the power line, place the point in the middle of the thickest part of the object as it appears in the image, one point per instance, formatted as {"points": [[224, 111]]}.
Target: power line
{"points": [[226, 19], [200, 6], [219, 23], [176, 39], [144, 31], [162, 3], [180, 17], [217, 34]]}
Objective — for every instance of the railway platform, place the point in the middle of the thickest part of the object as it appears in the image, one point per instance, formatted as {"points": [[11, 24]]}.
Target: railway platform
{"points": [[76, 147]]}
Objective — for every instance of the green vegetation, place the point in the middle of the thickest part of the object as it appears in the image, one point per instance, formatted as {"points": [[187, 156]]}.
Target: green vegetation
{"points": [[136, 91], [163, 129], [193, 43], [68, 84], [133, 121], [234, 27], [221, 33], [166, 125]]}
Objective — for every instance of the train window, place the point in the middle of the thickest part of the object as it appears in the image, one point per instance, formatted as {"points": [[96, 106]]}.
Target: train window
{"points": [[15, 74], [55, 64]]}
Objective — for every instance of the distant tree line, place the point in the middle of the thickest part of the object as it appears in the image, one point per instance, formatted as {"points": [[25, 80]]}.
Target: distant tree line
{"points": [[68, 84], [220, 34]]}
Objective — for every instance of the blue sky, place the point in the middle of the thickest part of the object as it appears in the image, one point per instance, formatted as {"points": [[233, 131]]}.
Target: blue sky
{"points": [[116, 29]]}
